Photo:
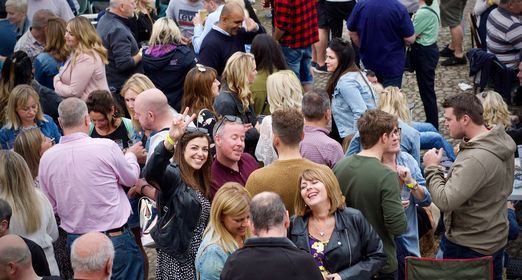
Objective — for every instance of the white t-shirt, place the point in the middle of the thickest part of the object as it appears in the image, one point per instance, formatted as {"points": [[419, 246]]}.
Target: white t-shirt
{"points": [[183, 11]]}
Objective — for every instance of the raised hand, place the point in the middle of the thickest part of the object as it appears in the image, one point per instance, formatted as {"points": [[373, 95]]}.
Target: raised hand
{"points": [[179, 125]]}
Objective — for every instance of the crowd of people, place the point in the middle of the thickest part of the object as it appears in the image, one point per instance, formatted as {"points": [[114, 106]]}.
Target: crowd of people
{"points": [[251, 172]]}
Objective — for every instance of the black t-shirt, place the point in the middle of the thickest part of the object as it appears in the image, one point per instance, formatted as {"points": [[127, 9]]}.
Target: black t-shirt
{"points": [[40, 264], [120, 134]]}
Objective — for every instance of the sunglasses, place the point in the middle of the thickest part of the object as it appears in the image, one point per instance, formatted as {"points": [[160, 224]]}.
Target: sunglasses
{"points": [[201, 68], [228, 118], [191, 129]]}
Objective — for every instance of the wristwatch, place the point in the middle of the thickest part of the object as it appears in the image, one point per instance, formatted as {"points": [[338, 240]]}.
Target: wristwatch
{"points": [[412, 186]]}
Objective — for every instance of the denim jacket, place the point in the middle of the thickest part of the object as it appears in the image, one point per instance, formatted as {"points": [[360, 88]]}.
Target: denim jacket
{"points": [[352, 96], [45, 68], [210, 260], [48, 128]]}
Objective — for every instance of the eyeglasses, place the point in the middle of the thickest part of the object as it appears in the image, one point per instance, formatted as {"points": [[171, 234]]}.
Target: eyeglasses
{"points": [[227, 118], [396, 131], [201, 68]]}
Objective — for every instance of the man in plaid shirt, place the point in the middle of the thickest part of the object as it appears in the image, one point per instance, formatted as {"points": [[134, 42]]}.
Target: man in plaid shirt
{"points": [[296, 30]]}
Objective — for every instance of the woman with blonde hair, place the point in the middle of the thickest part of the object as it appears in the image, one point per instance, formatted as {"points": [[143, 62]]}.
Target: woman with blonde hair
{"points": [[495, 110], [167, 60], [33, 216], [235, 98], [284, 91], [228, 227], [339, 238], [135, 85], [47, 63], [24, 112], [84, 71], [145, 16]]}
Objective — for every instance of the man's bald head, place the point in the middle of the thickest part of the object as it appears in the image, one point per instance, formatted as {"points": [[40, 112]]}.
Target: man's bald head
{"points": [[231, 8], [92, 253], [231, 18], [14, 250], [151, 108]]}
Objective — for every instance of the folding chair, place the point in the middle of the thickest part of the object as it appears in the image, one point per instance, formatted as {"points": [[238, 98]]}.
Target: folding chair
{"points": [[473, 28], [449, 269]]}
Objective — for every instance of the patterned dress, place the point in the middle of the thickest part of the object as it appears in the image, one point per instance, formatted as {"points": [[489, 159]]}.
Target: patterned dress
{"points": [[169, 267]]}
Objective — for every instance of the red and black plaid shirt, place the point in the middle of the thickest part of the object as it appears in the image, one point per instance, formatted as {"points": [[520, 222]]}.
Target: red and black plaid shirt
{"points": [[298, 19]]}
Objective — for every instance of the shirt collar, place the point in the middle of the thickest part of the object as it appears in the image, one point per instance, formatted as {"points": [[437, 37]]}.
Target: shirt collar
{"points": [[220, 30], [73, 137]]}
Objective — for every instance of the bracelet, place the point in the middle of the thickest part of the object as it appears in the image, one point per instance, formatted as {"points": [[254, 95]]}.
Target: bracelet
{"points": [[170, 140], [142, 187], [412, 186]]}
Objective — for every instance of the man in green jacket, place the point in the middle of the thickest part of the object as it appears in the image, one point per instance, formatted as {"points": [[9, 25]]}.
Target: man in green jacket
{"points": [[473, 197], [373, 188]]}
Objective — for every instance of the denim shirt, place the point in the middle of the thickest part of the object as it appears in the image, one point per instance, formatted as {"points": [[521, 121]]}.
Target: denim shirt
{"points": [[45, 68], [48, 128], [210, 260], [410, 239], [410, 142], [352, 96]]}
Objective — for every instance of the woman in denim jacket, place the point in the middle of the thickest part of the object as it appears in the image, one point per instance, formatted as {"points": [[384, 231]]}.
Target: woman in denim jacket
{"points": [[349, 89], [226, 231]]}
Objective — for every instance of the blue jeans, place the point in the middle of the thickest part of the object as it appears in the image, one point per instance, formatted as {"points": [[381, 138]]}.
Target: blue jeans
{"points": [[455, 251], [128, 260], [431, 138], [299, 60]]}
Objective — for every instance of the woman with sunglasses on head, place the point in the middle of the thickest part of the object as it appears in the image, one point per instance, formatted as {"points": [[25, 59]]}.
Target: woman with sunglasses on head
{"points": [[167, 60], [340, 239], [84, 71], [200, 90], [235, 98], [349, 89], [182, 197], [226, 232], [24, 112]]}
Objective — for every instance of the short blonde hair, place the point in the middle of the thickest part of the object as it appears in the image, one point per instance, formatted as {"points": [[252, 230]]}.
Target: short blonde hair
{"points": [[232, 199], [165, 31], [235, 76], [284, 90], [333, 191], [394, 102], [495, 109], [20, 97]]}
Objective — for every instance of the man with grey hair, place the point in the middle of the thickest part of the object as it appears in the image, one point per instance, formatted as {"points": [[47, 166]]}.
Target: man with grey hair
{"points": [[124, 52], [91, 256], [316, 145], [33, 41], [269, 255], [17, 15], [38, 259], [15, 260], [83, 179], [504, 37], [232, 164]]}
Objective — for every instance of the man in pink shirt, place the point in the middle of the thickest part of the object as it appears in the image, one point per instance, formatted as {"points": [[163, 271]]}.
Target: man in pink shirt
{"points": [[83, 178]]}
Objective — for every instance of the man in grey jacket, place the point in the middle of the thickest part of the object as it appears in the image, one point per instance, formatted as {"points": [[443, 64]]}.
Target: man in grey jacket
{"points": [[473, 196], [123, 50]]}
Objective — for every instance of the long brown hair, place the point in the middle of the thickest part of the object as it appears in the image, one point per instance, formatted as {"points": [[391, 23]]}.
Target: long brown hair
{"points": [[54, 39], [345, 62], [28, 144], [197, 90], [197, 179]]}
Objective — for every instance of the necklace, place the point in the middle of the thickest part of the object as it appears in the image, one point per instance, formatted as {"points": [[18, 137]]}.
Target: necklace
{"points": [[321, 232]]}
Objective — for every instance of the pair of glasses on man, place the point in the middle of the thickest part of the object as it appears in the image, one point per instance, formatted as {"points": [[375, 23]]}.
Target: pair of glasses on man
{"points": [[396, 131]]}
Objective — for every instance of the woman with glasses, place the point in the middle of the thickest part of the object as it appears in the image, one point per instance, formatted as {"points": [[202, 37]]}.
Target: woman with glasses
{"points": [[33, 216], [200, 90], [339, 238], [226, 232], [23, 111], [349, 89], [235, 98], [167, 60], [182, 197], [84, 71]]}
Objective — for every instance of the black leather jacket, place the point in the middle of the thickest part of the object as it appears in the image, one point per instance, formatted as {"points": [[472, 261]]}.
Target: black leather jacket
{"points": [[177, 203], [354, 250]]}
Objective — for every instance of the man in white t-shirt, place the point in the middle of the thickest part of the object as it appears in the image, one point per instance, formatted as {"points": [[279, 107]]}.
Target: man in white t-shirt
{"points": [[184, 11]]}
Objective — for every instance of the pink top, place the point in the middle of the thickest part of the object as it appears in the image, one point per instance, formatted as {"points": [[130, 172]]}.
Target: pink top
{"points": [[82, 78], [82, 177]]}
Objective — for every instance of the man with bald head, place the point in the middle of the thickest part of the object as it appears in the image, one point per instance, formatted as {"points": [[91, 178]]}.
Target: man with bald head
{"points": [[227, 37], [83, 179], [152, 110], [91, 256], [15, 259]]}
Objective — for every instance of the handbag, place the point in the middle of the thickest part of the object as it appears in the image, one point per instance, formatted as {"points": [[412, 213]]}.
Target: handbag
{"points": [[148, 220]]}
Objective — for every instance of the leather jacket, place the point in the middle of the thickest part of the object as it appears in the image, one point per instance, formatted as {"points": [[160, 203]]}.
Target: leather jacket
{"points": [[177, 203], [354, 250]]}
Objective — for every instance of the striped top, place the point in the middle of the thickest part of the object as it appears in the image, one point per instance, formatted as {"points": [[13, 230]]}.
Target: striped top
{"points": [[504, 38]]}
